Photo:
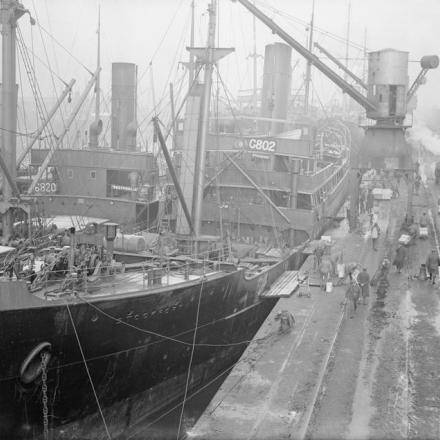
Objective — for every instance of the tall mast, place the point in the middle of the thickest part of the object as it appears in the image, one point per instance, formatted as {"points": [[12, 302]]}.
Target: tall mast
{"points": [[191, 55], [254, 56], [309, 64], [96, 126], [201, 153], [10, 11], [98, 66]]}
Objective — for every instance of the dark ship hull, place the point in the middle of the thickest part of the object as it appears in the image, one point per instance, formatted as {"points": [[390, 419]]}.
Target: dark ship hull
{"points": [[134, 345]]}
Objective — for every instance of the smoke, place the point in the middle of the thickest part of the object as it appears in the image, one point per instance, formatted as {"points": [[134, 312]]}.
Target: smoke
{"points": [[421, 135]]}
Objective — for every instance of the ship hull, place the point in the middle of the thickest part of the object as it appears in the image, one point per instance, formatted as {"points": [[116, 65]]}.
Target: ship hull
{"points": [[132, 346]]}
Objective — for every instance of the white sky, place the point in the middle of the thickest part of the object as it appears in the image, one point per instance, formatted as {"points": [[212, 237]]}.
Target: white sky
{"points": [[143, 30]]}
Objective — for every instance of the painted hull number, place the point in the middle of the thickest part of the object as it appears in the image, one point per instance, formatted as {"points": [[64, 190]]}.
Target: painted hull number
{"points": [[263, 145]]}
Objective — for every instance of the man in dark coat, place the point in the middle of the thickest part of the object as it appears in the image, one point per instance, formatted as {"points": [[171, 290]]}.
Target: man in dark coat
{"points": [[352, 294], [364, 283], [432, 264], [400, 258]]}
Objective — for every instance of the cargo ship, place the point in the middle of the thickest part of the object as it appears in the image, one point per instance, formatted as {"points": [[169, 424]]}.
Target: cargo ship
{"points": [[91, 335]]}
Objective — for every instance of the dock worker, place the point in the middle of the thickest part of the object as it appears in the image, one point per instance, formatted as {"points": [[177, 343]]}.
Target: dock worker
{"points": [[319, 253], [352, 295], [400, 258], [325, 271], [432, 264], [375, 233], [364, 282]]}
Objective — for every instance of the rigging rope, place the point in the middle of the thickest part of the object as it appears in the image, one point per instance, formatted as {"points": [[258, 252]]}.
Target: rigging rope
{"points": [[199, 390], [307, 24], [162, 336], [161, 41], [191, 356], [59, 44], [48, 62], [88, 373], [41, 107]]}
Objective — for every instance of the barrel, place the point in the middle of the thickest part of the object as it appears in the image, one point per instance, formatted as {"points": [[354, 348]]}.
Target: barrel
{"points": [[129, 243]]}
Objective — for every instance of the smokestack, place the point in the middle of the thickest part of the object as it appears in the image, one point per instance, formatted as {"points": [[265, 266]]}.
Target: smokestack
{"points": [[276, 86], [124, 99]]}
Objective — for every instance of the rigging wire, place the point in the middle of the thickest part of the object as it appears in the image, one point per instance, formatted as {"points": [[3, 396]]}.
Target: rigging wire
{"points": [[229, 101], [35, 56], [41, 106], [199, 390], [41, 28], [162, 336], [88, 373], [191, 357], [48, 62], [161, 40], [319, 100], [307, 24]]}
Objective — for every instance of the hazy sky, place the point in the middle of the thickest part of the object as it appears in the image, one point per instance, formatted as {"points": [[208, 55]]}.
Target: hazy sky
{"points": [[157, 31]]}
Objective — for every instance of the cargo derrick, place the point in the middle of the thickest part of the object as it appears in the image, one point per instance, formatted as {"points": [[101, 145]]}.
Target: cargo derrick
{"points": [[384, 145]]}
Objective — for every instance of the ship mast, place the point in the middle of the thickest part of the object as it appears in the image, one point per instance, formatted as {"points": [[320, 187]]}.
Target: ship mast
{"points": [[96, 126], [201, 153], [191, 55], [10, 11], [309, 64], [195, 130]]}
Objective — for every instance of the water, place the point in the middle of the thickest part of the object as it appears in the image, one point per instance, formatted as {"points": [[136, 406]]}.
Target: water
{"points": [[164, 425]]}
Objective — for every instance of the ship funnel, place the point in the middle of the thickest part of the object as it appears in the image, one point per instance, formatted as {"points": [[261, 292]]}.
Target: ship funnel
{"points": [[276, 86], [124, 90]]}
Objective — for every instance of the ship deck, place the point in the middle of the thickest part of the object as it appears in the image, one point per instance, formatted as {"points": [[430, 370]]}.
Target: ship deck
{"points": [[121, 284]]}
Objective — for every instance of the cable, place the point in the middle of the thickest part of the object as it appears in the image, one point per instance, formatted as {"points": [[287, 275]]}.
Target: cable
{"points": [[48, 62], [162, 336], [88, 373], [59, 44], [199, 390], [161, 41], [19, 133], [306, 24], [190, 358], [43, 63]]}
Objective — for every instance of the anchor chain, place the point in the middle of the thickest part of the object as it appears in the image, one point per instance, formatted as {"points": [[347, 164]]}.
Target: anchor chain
{"points": [[44, 361]]}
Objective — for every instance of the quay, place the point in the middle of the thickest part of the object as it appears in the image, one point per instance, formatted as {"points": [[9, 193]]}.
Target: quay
{"points": [[315, 380]]}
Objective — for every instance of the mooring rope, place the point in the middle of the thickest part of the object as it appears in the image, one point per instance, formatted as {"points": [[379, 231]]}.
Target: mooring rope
{"points": [[88, 374]]}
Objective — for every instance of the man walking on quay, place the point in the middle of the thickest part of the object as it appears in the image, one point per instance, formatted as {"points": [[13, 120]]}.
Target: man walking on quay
{"points": [[432, 264], [400, 258], [364, 282], [375, 232], [352, 295]]}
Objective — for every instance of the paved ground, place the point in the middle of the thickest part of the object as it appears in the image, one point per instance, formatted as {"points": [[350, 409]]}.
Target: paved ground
{"points": [[273, 390], [385, 377], [382, 378]]}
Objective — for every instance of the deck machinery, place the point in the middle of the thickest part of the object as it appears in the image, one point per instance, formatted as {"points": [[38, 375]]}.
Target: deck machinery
{"points": [[385, 102]]}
